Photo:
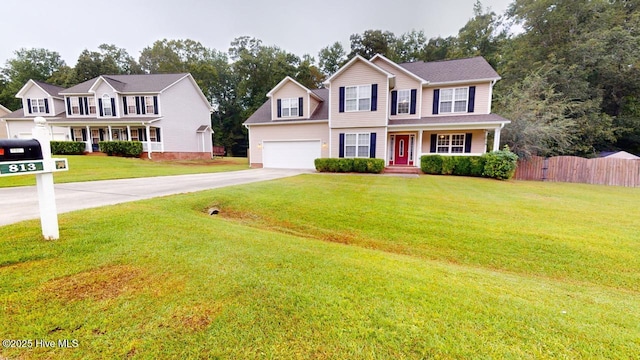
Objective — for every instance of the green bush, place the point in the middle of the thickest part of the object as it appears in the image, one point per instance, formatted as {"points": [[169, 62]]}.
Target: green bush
{"points": [[463, 166], [431, 164], [345, 165], [476, 165], [448, 164], [501, 164], [121, 148], [373, 166], [67, 147]]}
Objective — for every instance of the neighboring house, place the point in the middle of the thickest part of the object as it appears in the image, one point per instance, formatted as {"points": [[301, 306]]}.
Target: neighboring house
{"points": [[168, 113], [3, 125], [619, 155], [378, 109]]}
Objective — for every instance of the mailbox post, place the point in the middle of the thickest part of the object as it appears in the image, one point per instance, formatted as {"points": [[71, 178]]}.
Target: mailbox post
{"points": [[44, 183], [33, 156]]}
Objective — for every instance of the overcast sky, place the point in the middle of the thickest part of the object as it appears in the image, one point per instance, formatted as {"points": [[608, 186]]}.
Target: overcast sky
{"points": [[299, 27]]}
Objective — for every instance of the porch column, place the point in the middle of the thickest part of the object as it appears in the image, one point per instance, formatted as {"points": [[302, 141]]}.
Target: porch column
{"points": [[128, 133], [110, 135], [89, 139], [496, 139], [148, 131], [419, 152]]}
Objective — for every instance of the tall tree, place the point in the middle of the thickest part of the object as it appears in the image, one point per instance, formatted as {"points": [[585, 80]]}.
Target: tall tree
{"points": [[482, 35], [36, 64], [373, 42], [331, 58]]}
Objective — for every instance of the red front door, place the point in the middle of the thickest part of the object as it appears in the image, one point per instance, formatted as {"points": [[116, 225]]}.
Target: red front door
{"points": [[401, 151]]}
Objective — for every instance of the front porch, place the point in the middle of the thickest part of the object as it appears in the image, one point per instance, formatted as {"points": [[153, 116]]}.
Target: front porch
{"points": [[92, 135]]}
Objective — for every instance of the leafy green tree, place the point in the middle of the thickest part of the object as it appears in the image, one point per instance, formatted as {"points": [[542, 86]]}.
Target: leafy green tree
{"points": [[36, 64], [482, 35], [373, 42], [331, 58], [410, 47]]}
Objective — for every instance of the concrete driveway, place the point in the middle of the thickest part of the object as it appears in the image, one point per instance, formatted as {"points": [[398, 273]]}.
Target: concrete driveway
{"points": [[21, 203]]}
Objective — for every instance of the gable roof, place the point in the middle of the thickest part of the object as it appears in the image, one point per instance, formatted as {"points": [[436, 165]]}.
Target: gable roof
{"points": [[263, 114], [290, 79], [396, 66], [152, 83], [451, 71], [353, 61], [52, 90], [4, 109]]}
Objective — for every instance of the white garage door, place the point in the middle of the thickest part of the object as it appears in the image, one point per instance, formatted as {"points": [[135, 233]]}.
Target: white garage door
{"points": [[290, 154]]}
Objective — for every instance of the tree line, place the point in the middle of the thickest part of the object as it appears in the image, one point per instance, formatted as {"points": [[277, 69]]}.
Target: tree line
{"points": [[570, 71]]}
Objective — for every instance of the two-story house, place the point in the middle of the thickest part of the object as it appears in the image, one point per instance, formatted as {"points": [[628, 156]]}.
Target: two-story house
{"points": [[168, 113], [3, 126], [378, 109]]}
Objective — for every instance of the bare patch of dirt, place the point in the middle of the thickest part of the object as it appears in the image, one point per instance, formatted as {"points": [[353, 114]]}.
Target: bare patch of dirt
{"points": [[196, 317], [99, 284]]}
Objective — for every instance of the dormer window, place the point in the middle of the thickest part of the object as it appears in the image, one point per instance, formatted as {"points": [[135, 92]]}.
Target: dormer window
{"points": [[106, 105], [38, 106], [289, 107]]}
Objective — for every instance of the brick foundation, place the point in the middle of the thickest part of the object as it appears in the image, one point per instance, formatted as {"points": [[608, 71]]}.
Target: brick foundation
{"points": [[177, 156], [256, 165]]}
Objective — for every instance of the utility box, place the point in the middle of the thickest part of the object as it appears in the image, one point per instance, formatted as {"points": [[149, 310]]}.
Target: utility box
{"points": [[20, 150]]}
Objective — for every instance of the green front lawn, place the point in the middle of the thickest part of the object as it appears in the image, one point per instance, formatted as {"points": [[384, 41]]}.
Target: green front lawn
{"points": [[91, 168], [335, 267]]}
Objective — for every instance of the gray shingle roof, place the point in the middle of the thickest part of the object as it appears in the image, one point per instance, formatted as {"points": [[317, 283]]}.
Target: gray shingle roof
{"points": [[476, 68], [263, 114], [52, 90], [451, 119], [130, 83]]}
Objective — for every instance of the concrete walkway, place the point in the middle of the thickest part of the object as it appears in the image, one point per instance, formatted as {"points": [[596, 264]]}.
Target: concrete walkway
{"points": [[21, 203]]}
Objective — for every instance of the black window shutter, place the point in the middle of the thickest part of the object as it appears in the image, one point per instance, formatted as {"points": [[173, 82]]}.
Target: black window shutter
{"points": [[113, 107], [341, 99], [46, 105], [142, 134], [158, 134], [279, 107], [374, 97], [71, 132], [372, 146], [143, 106], [467, 142], [84, 134], [434, 142], [100, 107], [101, 132], [86, 105], [394, 102], [155, 105], [414, 101], [124, 105], [341, 144], [300, 111], [69, 106], [81, 105], [472, 98], [29, 105], [138, 105], [436, 101]]}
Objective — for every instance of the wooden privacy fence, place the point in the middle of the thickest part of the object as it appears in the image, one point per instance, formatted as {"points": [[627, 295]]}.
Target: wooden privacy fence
{"points": [[604, 171]]}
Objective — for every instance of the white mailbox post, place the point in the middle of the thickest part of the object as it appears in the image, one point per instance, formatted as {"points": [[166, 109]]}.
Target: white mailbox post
{"points": [[23, 157]]}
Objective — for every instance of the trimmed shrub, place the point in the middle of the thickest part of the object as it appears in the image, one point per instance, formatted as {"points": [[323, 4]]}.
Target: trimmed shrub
{"points": [[463, 166], [449, 164], [345, 165], [500, 164], [67, 147], [121, 148], [373, 166], [431, 164], [476, 165]]}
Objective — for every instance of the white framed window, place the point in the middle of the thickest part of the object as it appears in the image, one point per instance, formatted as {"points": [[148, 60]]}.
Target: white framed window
{"points": [[357, 98], [37, 106], [77, 135], [450, 143], [106, 105], [91, 101], [357, 145], [134, 135], [154, 134], [131, 105], [289, 107], [454, 100], [148, 104], [95, 136], [404, 101], [75, 105]]}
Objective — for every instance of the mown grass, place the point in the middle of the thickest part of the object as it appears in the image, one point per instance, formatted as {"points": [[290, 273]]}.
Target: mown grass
{"points": [[91, 168], [324, 266]]}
